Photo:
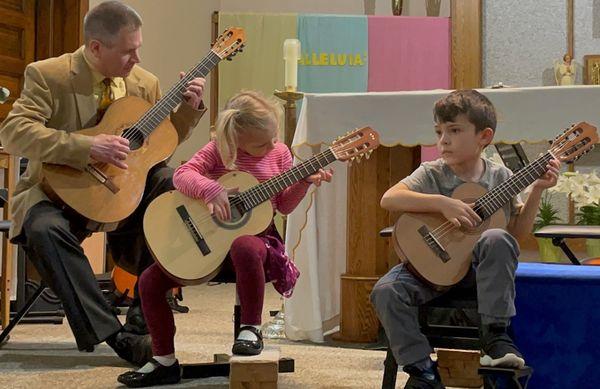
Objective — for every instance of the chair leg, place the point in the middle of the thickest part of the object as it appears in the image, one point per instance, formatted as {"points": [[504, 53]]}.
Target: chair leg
{"points": [[390, 371], [237, 321], [22, 312]]}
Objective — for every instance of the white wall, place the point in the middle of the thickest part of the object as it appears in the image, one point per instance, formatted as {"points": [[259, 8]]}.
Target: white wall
{"points": [[176, 36]]}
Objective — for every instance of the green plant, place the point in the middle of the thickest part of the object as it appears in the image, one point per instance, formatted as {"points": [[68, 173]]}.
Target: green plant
{"points": [[589, 215], [547, 214]]}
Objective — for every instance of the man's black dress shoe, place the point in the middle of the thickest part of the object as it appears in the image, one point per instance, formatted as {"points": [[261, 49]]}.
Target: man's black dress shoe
{"points": [[135, 349], [134, 321], [248, 347], [161, 375]]}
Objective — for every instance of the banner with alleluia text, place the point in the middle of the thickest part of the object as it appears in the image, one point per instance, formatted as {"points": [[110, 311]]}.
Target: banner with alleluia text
{"points": [[334, 53], [340, 53]]}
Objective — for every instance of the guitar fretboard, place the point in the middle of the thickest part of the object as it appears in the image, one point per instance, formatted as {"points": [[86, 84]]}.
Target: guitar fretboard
{"points": [[264, 191], [167, 103], [496, 198]]}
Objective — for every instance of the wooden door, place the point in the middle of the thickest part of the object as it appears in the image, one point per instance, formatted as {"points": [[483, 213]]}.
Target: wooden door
{"points": [[17, 46], [32, 30]]}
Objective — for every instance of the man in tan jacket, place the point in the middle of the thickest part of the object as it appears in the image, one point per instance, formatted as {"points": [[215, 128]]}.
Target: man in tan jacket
{"points": [[66, 94]]}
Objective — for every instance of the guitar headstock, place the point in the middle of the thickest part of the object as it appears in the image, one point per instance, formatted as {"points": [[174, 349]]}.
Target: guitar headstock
{"points": [[356, 144], [229, 43], [574, 142]]}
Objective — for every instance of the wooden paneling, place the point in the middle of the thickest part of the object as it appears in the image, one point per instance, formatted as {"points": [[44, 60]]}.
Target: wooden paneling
{"points": [[358, 320], [368, 255], [14, 5], [11, 41], [17, 44], [466, 18], [59, 27]]}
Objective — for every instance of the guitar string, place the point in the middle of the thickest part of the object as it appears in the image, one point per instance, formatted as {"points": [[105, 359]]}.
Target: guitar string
{"points": [[445, 228], [448, 226], [137, 132], [250, 195], [246, 198]]}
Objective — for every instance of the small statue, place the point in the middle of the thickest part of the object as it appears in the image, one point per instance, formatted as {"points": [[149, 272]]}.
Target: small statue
{"points": [[564, 72]]}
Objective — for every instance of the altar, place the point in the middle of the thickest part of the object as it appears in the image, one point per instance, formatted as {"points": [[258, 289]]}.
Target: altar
{"points": [[333, 234]]}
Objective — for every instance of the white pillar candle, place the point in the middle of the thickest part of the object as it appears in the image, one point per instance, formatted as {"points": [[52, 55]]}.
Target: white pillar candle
{"points": [[291, 54]]}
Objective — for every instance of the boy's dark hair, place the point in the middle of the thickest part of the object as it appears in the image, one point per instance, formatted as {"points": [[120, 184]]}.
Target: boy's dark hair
{"points": [[478, 109]]}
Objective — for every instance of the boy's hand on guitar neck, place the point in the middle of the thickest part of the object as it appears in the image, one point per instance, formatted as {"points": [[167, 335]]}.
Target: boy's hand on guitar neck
{"points": [[458, 212], [220, 204], [111, 149], [549, 179]]}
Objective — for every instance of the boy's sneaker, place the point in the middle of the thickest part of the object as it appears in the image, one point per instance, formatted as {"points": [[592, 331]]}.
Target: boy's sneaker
{"points": [[423, 379], [498, 349]]}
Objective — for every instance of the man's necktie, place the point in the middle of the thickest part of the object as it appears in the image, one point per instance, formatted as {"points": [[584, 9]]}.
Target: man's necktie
{"points": [[105, 100]]}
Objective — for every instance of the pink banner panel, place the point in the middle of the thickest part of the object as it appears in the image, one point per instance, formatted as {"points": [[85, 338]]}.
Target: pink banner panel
{"points": [[409, 53]]}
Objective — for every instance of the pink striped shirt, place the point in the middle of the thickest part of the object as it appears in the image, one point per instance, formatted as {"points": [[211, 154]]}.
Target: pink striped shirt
{"points": [[197, 177]]}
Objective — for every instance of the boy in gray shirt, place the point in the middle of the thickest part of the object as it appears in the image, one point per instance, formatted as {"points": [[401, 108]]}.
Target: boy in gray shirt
{"points": [[465, 125]]}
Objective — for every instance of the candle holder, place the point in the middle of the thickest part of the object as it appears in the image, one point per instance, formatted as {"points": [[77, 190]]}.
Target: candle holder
{"points": [[290, 98]]}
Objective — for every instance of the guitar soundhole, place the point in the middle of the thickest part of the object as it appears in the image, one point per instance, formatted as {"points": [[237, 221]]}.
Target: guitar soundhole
{"points": [[135, 136], [238, 217]]}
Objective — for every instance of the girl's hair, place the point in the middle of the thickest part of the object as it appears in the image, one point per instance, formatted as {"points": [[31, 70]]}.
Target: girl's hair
{"points": [[246, 111]]}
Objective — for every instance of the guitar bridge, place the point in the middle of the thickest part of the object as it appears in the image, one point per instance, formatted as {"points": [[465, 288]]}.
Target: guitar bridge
{"points": [[103, 178], [434, 244], [193, 230]]}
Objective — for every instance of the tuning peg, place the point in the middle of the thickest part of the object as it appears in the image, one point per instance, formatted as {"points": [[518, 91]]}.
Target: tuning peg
{"points": [[368, 155], [228, 58]]}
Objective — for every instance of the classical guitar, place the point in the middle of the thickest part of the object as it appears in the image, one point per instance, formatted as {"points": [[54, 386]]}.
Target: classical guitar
{"points": [[104, 194], [124, 290], [190, 244], [438, 252]]}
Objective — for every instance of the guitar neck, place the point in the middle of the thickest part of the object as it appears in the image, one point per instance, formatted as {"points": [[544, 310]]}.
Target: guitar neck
{"points": [[262, 192], [496, 198], [167, 103]]}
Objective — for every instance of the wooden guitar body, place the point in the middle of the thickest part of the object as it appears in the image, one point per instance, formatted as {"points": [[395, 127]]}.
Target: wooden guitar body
{"points": [[439, 253], [105, 194], [458, 243], [172, 242], [190, 244]]}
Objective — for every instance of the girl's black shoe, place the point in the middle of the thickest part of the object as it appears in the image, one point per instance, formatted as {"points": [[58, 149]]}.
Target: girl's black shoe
{"points": [[248, 347], [161, 375]]}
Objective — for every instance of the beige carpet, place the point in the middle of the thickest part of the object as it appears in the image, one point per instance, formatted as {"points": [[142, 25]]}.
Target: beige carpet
{"points": [[45, 355]]}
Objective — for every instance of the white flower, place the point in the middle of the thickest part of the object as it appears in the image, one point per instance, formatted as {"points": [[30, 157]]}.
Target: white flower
{"points": [[584, 188]]}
